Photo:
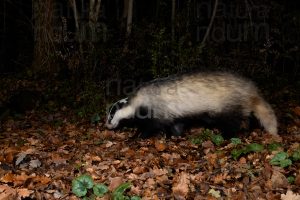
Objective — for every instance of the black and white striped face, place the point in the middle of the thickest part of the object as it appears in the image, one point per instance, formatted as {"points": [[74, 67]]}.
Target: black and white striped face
{"points": [[112, 111]]}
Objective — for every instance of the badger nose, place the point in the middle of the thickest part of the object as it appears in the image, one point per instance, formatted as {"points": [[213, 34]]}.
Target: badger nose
{"points": [[109, 126]]}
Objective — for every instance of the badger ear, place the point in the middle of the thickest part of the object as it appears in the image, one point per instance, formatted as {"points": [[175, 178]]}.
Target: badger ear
{"points": [[124, 101]]}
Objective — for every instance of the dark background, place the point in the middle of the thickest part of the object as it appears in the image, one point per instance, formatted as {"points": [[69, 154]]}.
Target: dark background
{"points": [[40, 42]]}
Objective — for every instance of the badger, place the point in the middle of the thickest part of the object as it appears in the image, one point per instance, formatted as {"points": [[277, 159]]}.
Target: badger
{"points": [[168, 104]]}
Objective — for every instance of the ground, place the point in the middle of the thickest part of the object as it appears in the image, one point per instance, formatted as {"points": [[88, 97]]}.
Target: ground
{"points": [[41, 153]]}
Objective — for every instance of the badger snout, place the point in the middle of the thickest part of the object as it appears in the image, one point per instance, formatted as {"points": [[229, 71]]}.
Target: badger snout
{"points": [[110, 125]]}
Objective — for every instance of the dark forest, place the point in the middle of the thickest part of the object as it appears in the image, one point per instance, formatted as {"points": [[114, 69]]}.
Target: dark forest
{"points": [[70, 69]]}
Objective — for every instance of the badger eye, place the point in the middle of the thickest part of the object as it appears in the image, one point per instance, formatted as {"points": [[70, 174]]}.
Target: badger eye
{"points": [[111, 114], [115, 107]]}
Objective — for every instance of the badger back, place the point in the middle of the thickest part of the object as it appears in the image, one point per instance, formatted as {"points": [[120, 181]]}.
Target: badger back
{"points": [[191, 94]]}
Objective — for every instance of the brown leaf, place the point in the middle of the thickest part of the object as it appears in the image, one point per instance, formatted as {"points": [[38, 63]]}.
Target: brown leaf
{"points": [[160, 145], [7, 193], [159, 172], [150, 183], [242, 160], [139, 170], [297, 111], [297, 179], [23, 192], [57, 159], [130, 153], [109, 144], [8, 178], [135, 190], [278, 180], [42, 179], [181, 187], [290, 196], [219, 179], [212, 159], [162, 179], [115, 182], [208, 144]]}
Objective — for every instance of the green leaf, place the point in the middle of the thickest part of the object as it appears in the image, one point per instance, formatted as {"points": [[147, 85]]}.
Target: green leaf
{"points": [[100, 189], [95, 118], [78, 188], [281, 159], [285, 163], [296, 155], [278, 157], [135, 198], [236, 141], [196, 141], [236, 153], [273, 146], [118, 192], [217, 139], [291, 179], [254, 148], [81, 184]]}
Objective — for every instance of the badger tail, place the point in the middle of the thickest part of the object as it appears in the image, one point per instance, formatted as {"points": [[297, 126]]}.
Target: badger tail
{"points": [[265, 114]]}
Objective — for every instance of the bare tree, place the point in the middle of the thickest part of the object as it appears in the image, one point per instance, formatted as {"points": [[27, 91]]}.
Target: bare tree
{"points": [[44, 47], [173, 19], [94, 12], [129, 18], [75, 11], [210, 23]]}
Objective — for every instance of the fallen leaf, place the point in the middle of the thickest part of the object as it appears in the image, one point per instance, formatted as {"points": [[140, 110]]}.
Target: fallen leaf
{"points": [[20, 157], [160, 145], [297, 180], [290, 196], [109, 144], [139, 170], [8, 178], [214, 193], [7, 193], [58, 160], [181, 187], [159, 172], [297, 110], [278, 180], [150, 183], [35, 163], [23, 192], [220, 179], [115, 182], [212, 159]]}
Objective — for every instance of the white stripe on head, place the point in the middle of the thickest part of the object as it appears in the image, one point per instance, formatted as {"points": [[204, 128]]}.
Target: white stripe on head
{"points": [[124, 101], [124, 113]]}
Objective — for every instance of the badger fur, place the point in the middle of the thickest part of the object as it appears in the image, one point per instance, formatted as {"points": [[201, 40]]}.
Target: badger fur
{"points": [[168, 103]]}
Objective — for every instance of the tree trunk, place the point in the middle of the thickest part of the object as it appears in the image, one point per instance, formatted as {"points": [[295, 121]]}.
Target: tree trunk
{"points": [[210, 23], [75, 11], [173, 20], [43, 35], [129, 18], [94, 12]]}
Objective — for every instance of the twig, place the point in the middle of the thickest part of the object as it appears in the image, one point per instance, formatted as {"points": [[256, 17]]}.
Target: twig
{"points": [[210, 23]]}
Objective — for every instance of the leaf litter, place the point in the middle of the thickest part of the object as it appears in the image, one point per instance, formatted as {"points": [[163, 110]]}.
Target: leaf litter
{"points": [[41, 160]]}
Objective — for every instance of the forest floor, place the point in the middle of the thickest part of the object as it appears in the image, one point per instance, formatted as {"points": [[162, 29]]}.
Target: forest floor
{"points": [[42, 153]]}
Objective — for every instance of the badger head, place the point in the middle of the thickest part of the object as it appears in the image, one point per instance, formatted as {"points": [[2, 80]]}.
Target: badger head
{"points": [[113, 115]]}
